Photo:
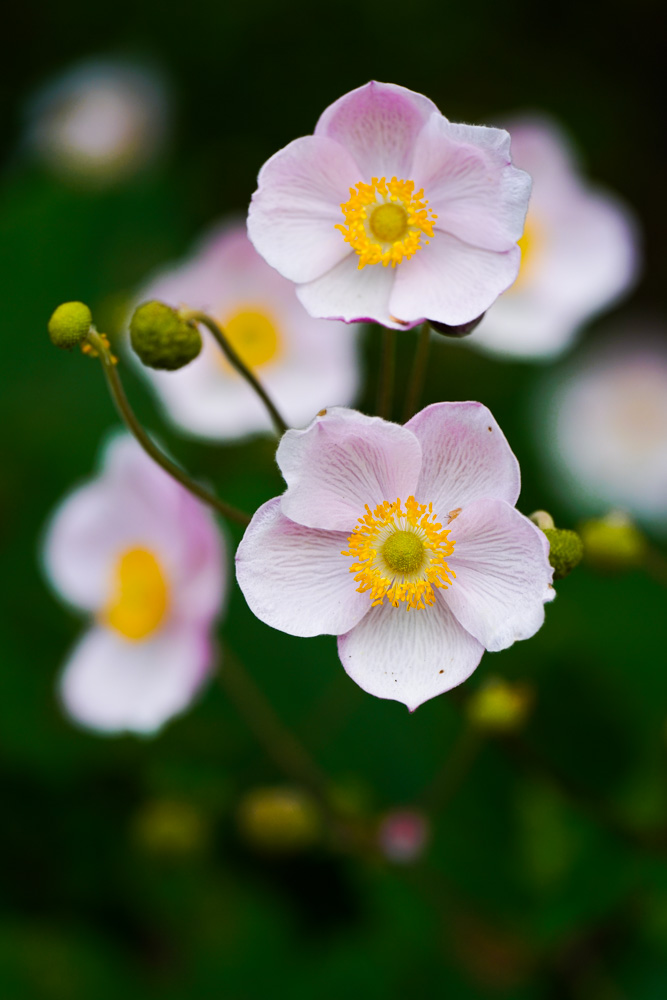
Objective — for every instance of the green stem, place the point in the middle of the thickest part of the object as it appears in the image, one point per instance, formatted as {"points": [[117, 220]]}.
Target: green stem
{"points": [[454, 771], [135, 428], [418, 374], [387, 372], [281, 745], [236, 362]]}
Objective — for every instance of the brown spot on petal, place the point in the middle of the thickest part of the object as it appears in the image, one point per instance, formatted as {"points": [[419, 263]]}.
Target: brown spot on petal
{"points": [[322, 413], [454, 513]]}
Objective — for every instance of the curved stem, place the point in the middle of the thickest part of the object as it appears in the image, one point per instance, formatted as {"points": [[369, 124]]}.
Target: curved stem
{"points": [[236, 362], [387, 371], [135, 428], [418, 374]]}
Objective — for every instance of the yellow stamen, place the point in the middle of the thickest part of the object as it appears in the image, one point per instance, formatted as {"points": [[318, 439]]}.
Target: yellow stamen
{"points": [[385, 220], [400, 554], [140, 596], [254, 335]]}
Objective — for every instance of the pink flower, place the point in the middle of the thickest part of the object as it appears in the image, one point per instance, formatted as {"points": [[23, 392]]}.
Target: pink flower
{"points": [[607, 416], [302, 366], [391, 213], [136, 551], [404, 542], [403, 835], [579, 251]]}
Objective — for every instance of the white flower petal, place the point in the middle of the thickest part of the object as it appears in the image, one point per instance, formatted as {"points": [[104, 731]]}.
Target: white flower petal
{"points": [[451, 281], [111, 684], [378, 124], [465, 456], [409, 656], [503, 576], [350, 294], [296, 579], [342, 462], [296, 207], [470, 183]]}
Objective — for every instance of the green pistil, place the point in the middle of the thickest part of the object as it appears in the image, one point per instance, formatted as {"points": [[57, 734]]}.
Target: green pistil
{"points": [[403, 552]]}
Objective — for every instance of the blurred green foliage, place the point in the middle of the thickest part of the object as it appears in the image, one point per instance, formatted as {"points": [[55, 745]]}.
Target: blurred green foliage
{"points": [[528, 889]]}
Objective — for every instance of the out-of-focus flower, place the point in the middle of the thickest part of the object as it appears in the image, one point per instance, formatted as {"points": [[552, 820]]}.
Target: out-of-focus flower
{"points": [[134, 549], [101, 121], [391, 213], [579, 251], [613, 543], [500, 706], [404, 542], [281, 820], [302, 362], [403, 834], [608, 428]]}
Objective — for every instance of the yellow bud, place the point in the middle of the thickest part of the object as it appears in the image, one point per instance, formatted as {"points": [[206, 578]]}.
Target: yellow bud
{"points": [[69, 325], [170, 828], [542, 519], [500, 706], [280, 820], [613, 543]]}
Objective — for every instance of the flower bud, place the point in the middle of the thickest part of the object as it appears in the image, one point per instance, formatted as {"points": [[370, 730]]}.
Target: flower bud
{"points": [[403, 835], [456, 331], [69, 325], [499, 706], [566, 550], [542, 519], [278, 820], [613, 543], [170, 828], [161, 338]]}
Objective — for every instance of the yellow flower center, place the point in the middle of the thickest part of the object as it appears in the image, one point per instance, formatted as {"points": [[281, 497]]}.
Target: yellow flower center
{"points": [[385, 221], [531, 247], [400, 553], [140, 595], [254, 336]]}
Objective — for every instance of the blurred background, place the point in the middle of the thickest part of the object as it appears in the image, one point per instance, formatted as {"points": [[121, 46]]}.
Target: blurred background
{"points": [[525, 864]]}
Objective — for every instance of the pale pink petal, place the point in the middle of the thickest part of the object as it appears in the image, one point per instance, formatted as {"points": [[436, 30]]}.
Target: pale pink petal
{"points": [[343, 462], [409, 656], [470, 183], [503, 576], [294, 212], [296, 579], [378, 124], [451, 281], [112, 684], [350, 294], [465, 456]]}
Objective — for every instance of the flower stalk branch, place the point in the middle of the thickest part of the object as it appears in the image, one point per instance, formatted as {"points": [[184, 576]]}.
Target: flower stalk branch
{"points": [[237, 363], [99, 346], [418, 374], [387, 374]]}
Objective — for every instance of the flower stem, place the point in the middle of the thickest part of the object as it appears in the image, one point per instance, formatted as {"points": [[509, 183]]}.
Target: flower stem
{"points": [[387, 372], [454, 771], [236, 362], [418, 374], [135, 428]]}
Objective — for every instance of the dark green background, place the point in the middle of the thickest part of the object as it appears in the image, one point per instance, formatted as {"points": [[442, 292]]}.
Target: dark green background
{"points": [[524, 892]]}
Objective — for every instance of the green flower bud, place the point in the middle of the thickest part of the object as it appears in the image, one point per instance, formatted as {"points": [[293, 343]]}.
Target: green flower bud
{"points": [[613, 543], [161, 338], [565, 550], [69, 325], [500, 706], [281, 820]]}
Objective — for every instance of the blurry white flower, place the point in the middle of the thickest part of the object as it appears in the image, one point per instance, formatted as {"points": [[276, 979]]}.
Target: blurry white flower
{"points": [[579, 251], [101, 121], [134, 549], [305, 364], [609, 429]]}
